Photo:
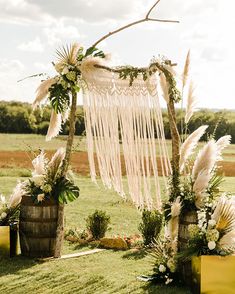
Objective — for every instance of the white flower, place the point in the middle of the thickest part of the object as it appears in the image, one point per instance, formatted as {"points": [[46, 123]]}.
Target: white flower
{"points": [[59, 66], [168, 281], [38, 180], [211, 245], [162, 268], [40, 197], [212, 223], [3, 215], [65, 70]]}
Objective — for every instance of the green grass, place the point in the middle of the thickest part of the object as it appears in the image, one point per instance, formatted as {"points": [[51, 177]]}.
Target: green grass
{"points": [[27, 142], [105, 272], [101, 273]]}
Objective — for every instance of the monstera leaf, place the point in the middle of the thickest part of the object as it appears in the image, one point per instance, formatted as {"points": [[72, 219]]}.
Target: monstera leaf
{"points": [[66, 191]]}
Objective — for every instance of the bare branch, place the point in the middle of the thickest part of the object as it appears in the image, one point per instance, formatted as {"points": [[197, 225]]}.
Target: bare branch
{"points": [[151, 9], [163, 20], [135, 23]]}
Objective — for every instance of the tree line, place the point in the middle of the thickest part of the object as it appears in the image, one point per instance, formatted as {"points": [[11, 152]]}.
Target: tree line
{"points": [[17, 117]]}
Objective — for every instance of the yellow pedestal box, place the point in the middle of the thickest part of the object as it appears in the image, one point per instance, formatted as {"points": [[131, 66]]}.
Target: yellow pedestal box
{"points": [[213, 274], [9, 240]]}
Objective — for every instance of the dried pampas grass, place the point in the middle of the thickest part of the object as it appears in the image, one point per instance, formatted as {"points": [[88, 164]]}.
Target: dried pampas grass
{"points": [[56, 162], [88, 63], [222, 143], [186, 69], [189, 145], [39, 164], [54, 126], [205, 160], [43, 90], [164, 87], [176, 207], [199, 187], [191, 103], [173, 224], [16, 197]]}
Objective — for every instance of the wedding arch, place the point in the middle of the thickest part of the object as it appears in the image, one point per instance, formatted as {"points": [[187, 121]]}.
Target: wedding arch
{"points": [[121, 105]]}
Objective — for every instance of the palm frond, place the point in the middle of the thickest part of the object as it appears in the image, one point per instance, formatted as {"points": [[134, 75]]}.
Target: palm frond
{"points": [[224, 215], [67, 54]]}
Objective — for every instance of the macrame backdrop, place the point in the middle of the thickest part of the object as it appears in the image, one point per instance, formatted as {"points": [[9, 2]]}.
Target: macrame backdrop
{"points": [[124, 121]]}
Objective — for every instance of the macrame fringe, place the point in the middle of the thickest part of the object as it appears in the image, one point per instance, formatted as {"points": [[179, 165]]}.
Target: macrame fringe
{"points": [[117, 113]]}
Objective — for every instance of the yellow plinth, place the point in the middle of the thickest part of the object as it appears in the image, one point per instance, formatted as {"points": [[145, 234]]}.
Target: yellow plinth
{"points": [[9, 240], [4, 240], [213, 274]]}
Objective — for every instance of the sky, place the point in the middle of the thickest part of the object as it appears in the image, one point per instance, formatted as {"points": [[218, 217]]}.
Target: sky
{"points": [[31, 31]]}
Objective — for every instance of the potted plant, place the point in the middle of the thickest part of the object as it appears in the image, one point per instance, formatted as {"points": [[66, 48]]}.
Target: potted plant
{"points": [[43, 192], [9, 213]]}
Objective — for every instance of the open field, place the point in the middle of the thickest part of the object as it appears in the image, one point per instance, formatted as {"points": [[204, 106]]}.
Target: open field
{"points": [[102, 273], [18, 150]]}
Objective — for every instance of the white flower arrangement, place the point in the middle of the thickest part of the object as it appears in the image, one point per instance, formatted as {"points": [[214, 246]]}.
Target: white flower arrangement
{"points": [[215, 231], [48, 182]]}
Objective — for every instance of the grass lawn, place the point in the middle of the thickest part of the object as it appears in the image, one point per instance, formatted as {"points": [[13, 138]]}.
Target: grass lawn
{"points": [[27, 142], [104, 272]]}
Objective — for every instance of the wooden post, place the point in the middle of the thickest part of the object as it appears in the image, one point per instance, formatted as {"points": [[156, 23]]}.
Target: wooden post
{"points": [[60, 222]]}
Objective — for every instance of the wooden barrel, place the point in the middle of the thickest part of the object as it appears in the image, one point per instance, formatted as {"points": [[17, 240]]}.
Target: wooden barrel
{"points": [[186, 219], [37, 227]]}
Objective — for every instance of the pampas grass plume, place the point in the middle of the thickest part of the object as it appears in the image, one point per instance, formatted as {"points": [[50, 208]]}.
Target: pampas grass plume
{"points": [[39, 164], [54, 126], [186, 69], [205, 160], [42, 91], [16, 197], [176, 208], [222, 143], [164, 87], [190, 144], [191, 103]]}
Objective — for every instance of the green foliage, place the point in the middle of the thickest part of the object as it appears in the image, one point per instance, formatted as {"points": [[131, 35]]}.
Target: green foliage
{"points": [[59, 98], [151, 225], [96, 51], [18, 118], [97, 223], [65, 191]]}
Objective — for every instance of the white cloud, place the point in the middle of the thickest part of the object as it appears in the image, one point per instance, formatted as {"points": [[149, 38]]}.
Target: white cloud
{"points": [[90, 10], [60, 32], [21, 12], [10, 66], [32, 46]]}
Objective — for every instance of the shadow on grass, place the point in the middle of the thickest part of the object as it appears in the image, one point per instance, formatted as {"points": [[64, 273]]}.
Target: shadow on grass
{"points": [[136, 254], [86, 245], [153, 288], [15, 264]]}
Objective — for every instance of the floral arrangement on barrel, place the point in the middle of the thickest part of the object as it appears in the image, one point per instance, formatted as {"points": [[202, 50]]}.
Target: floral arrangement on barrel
{"points": [[9, 210], [48, 182]]}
